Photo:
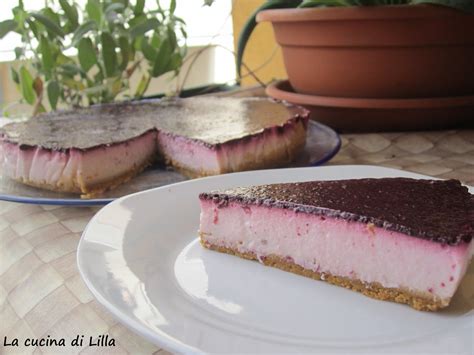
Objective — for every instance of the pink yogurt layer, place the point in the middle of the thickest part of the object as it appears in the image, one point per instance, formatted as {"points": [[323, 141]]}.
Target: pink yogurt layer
{"points": [[187, 153], [339, 247], [71, 169], [68, 170], [251, 152]]}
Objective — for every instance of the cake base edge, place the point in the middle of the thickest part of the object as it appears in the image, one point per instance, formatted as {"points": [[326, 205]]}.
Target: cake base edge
{"points": [[95, 190], [87, 191]]}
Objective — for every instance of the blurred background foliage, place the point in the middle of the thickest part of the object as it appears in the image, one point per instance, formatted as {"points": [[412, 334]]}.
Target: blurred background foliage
{"points": [[112, 39]]}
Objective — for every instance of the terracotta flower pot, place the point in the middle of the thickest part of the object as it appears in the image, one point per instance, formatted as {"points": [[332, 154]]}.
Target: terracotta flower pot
{"points": [[377, 52]]}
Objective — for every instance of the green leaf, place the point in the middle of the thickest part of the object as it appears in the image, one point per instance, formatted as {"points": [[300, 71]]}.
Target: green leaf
{"points": [[14, 75], [52, 15], [137, 20], [73, 84], [163, 57], [131, 55], [62, 59], [94, 11], [99, 77], [172, 38], [172, 6], [109, 56], [53, 93], [180, 20], [183, 32], [82, 30], [142, 85], [175, 62], [19, 51], [71, 13], [114, 86], [19, 14], [124, 52], [6, 27], [139, 6], [155, 40], [26, 85], [34, 28], [72, 69], [114, 7], [111, 12], [46, 54], [86, 53], [50, 25], [149, 52], [144, 27]]}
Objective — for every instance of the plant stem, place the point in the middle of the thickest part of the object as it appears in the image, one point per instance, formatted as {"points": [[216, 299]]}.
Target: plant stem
{"points": [[133, 68], [38, 103], [147, 84]]}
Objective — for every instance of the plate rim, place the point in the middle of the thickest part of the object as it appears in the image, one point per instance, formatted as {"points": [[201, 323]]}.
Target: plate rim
{"points": [[104, 201], [158, 336], [55, 201], [166, 341]]}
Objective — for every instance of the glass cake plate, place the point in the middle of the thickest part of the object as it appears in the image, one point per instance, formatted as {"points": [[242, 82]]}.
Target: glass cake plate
{"points": [[322, 143]]}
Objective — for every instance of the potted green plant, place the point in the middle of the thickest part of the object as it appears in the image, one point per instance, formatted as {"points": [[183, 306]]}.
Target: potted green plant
{"points": [[108, 41], [354, 49]]}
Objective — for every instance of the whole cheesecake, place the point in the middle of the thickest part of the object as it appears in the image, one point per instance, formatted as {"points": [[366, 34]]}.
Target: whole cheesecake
{"points": [[396, 239], [94, 149]]}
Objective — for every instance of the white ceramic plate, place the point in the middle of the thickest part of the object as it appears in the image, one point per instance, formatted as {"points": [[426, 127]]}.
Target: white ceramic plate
{"points": [[141, 259]]}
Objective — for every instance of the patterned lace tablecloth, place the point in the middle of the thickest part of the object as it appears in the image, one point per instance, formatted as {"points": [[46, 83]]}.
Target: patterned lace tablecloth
{"points": [[41, 292]]}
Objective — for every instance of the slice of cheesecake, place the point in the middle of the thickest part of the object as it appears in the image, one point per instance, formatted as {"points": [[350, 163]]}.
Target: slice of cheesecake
{"points": [[396, 239], [93, 149]]}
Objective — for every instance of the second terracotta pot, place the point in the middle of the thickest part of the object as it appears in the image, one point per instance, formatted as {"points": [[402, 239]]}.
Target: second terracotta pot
{"points": [[377, 52]]}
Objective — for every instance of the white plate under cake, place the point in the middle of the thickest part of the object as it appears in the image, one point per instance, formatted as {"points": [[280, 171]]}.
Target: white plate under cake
{"points": [[93, 149], [141, 258]]}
